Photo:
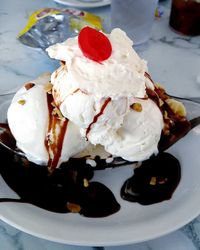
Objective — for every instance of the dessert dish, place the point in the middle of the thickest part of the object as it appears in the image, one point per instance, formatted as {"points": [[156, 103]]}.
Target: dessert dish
{"points": [[98, 106]]}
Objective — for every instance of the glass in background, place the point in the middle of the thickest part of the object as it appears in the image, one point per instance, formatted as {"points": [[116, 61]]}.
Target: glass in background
{"points": [[135, 17]]}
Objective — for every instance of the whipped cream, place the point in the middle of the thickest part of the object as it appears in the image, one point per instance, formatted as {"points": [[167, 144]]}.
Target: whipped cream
{"points": [[122, 74]]}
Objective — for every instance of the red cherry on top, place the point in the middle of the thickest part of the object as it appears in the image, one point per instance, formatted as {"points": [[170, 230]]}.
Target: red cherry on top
{"points": [[94, 44]]}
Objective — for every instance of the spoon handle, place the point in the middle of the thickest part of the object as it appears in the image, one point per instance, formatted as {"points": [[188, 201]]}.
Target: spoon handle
{"points": [[192, 99], [195, 122], [12, 200]]}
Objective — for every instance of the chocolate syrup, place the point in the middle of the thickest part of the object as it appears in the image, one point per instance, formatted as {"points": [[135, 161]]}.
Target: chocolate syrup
{"points": [[6, 136], [177, 126], [97, 116], [154, 181], [55, 135], [176, 133], [54, 191]]}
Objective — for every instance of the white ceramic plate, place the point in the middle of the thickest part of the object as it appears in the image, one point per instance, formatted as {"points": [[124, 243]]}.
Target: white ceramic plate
{"points": [[133, 223], [84, 4]]}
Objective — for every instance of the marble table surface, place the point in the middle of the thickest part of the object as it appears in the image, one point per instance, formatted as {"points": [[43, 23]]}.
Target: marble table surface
{"points": [[173, 60]]}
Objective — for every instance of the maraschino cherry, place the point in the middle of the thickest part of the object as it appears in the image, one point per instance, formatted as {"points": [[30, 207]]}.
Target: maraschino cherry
{"points": [[94, 44]]}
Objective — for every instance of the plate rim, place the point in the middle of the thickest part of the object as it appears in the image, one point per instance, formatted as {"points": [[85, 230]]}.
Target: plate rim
{"points": [[76, 3], [101, 243]]}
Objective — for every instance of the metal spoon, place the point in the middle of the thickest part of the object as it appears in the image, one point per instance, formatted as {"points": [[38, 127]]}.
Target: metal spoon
{"points": [[191, 99]]}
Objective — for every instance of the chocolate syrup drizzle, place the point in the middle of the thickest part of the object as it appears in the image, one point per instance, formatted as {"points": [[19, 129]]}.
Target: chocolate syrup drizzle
{"points": [[96, 117], [68, 184], [57, 128], [177, 126]]}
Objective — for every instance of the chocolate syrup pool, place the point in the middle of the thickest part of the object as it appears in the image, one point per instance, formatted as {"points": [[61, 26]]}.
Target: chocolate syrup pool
{"points": [[154, 181], [70, 187]]}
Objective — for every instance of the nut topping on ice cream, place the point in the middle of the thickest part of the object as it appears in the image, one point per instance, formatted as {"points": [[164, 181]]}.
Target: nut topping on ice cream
{"points": [[29, 85]]}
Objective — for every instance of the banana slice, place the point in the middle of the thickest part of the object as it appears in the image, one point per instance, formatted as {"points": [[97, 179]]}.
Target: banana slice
{"points": [[177, 107]]}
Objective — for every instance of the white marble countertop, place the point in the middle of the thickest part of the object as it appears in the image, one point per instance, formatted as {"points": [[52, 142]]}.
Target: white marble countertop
{"points": [[173, 60]]}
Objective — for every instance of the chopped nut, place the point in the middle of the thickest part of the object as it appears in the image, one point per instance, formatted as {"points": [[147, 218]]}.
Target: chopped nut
{"points": [[153, 181], [21, 102], [29, 85], [166, 129], [48, 87], [160, 102], [165, 115], [163, 181], [166, 132], [53, 104], [74, 208], [49, 139], [62, 63], [54, 111], [137, 107], [85, 183], [57, 112]]}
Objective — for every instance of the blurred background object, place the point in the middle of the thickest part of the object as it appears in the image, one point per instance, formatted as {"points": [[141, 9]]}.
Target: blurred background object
{"points": [[185, 17], [48, 26], [135, 17], [84, 3]]}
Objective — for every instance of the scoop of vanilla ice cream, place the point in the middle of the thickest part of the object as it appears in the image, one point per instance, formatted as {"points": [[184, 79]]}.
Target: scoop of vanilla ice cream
{"points": [[122, 74], [84, 109], [28, 119], [138, 137]]}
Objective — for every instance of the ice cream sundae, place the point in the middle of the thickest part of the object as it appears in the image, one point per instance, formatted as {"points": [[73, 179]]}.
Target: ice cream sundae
{"points": [[101, 96]]}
